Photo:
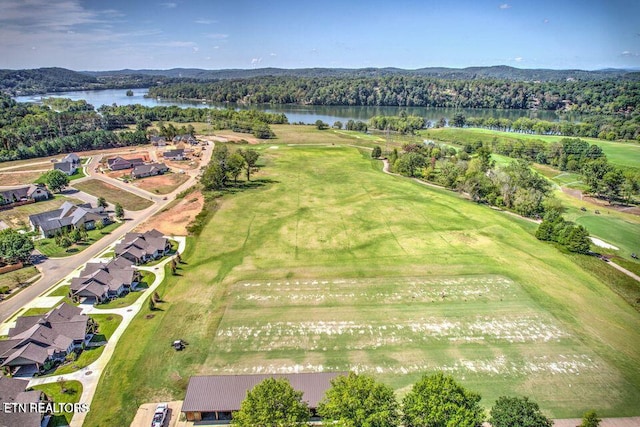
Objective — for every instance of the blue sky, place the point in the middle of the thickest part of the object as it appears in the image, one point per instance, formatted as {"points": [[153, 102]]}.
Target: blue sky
{"points": [[216, 34]]}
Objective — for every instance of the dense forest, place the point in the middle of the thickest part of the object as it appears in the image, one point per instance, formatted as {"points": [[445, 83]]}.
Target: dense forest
{"points": [[31, 130], [607, 96], [43, 80]]}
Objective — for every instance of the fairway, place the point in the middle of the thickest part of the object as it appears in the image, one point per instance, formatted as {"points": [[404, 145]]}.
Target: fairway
{"points": [[327, 263], [626, 154]]}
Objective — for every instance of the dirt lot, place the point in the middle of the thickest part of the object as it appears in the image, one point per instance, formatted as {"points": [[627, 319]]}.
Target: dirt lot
{"points": [[19, 178], [161, 184], [174, 220], [635, 210]]}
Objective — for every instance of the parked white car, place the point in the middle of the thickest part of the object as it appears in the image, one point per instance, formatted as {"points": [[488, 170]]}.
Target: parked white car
{"points": [[160, 415]]}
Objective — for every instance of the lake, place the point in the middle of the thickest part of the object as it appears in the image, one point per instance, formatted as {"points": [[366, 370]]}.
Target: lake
{"points": [[295, 113]]}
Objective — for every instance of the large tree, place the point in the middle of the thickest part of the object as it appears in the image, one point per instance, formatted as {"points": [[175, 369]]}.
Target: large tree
{"points": [[438, 401], [517, 411], [251, 160], [56, 180], [272, 403], [14, 246], [235, 164], [359, 401]]}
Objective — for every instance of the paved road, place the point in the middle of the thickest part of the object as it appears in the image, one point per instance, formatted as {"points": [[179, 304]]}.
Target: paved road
{"points": [[55, 269]]}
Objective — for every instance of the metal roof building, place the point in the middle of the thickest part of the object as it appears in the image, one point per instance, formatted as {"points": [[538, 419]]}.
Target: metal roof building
{"points": [[215, 397]]}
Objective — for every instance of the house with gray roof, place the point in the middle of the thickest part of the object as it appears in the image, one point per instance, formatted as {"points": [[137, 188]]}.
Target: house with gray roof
{"points": [[120, 163], [68, 217], [174, 154], [22, 193], [38, 342], [143, 247], [13, 392], [100, 282], [150, 169], [216, 397], [69, 164]]}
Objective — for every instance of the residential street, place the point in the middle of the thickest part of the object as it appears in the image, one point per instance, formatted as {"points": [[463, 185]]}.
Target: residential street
{"points": [[55, 269]]}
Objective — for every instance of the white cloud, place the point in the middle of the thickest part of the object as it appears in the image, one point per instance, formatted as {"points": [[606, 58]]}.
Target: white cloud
{"points": [[196, 49], [256, 61], [272, 54], [629, 53], [205, 21], [168, 5], [216, 47], [518, 59], [177, 43], [546, 21], [217, 36], [505, 6]]}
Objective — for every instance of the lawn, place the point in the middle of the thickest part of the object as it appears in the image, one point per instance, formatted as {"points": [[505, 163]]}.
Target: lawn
{"points": [[107, 326], [625, 154], [327, 263], [49, 248], [18, 217], [113, 194], [71, 394], [13, 278]]}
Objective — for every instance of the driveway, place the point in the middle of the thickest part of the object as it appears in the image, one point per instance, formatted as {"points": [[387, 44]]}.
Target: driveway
{"points": [[144, 416]]}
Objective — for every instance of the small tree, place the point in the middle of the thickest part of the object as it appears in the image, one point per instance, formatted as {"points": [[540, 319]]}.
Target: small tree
{"points": [[14, 246], [590, 419], [119, 211], [272, 403], [320, 125], [437, 400], [156, 297], [377, 152], [517, 411], [56, 180], [152, 304], [235, 164], [359, 401], [102, 202]]}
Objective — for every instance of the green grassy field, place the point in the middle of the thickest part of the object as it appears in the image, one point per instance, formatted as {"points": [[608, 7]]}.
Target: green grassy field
{"points": [[55, 393], [384, 276], [113, 194], [625, 154], [49, 247]]}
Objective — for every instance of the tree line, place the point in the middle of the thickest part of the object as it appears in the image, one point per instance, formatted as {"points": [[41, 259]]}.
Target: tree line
{"points": [[62, 126], [604, 96], [358, 400]]}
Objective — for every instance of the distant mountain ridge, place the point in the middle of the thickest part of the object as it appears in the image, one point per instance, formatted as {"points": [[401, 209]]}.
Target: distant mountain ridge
{"points": [[53, 79], [492, 72]]}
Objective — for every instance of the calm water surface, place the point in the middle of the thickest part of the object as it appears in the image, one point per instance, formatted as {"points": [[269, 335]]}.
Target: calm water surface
{"points": [[295, 113]]}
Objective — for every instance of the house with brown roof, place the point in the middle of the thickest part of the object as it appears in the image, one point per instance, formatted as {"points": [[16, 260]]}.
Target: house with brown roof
{"points": [[12, 394], [150, 169], [143, 247], [216, 397], [101, 282], [120, 163], [38, 342]]}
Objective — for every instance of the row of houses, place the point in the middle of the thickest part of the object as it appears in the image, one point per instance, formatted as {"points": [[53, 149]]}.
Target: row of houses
{"points": [[68, 217], [100, 282], [39, 342], [161, 141], [140, 169]]}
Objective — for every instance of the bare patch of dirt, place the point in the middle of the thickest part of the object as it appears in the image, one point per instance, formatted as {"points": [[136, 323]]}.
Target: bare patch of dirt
{"points": [[634, 210], [174, 220], [19, 178], [161, 184], [233, 137]]}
